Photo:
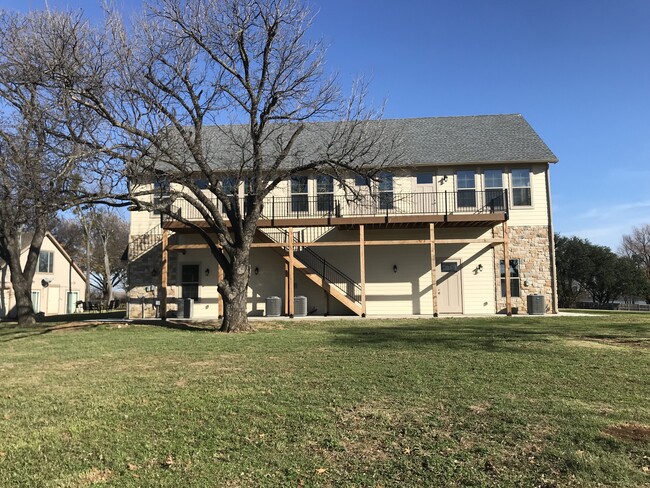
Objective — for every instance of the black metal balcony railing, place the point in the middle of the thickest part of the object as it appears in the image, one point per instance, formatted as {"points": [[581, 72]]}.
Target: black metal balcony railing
{"points": [[385, 203]]}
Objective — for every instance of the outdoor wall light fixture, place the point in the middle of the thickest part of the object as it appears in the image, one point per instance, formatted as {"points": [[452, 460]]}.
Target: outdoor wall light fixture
{"points": [[394, 268], [207, 271], [444, 179], [154, 272], [257, 270], [479, 267]]}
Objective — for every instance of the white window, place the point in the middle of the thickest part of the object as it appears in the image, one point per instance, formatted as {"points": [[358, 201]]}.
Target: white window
{"points": [[493, 179], [46, 262], [325, 193], [299, 194], [521, 187], [466, 188], [514, 277], [386, 191]]}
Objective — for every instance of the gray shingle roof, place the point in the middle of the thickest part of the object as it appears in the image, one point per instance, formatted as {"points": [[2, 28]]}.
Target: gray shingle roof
{"points": [[471, 139], [425, 141]]}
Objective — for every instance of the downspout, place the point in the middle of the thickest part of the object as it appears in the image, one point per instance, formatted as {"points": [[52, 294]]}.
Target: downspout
{"points": [[551, 241]]}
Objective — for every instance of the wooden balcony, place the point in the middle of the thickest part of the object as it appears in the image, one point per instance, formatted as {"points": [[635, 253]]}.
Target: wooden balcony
{"points": [[465, 207]]}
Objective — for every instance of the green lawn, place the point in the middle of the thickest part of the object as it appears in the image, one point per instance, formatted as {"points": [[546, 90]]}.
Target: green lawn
{"points": [[471, 402]]}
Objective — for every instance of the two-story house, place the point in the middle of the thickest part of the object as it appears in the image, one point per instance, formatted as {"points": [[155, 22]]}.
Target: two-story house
{"points": [[463, 226], [57, 286]]}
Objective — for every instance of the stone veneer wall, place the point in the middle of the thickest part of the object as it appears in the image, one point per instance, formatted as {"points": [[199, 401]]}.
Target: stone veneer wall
{"points": [[144, 274], [531, 245]]}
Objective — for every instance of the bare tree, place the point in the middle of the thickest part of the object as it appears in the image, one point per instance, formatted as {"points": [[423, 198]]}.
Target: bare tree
{"points": [[105, 237], [636, 246], [42, 169], [207, 94], [111, 238]]}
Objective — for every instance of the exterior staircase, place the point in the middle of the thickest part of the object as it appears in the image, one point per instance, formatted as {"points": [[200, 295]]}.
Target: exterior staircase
{"points": [[336, 283], [143, 243]]}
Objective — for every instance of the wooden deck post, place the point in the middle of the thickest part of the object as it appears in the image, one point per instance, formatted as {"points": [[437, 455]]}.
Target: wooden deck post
{"points": [[291, 274], [220, 303], [434, 286], [362, 267], [163, 274], [286, 288], [506, 262]]}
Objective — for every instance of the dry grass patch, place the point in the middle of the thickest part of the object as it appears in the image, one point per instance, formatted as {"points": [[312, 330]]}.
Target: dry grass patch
{"points": [[630, 432]]}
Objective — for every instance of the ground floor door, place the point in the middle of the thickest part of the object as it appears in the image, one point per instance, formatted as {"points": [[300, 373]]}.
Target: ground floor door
{"points": [[450, 289], [71, 301], [53, 300], [190, 281], [36, 301]]}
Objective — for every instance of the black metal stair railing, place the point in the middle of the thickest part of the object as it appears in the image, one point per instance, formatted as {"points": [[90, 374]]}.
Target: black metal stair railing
{"points": [[144, 242], [334, 276]]}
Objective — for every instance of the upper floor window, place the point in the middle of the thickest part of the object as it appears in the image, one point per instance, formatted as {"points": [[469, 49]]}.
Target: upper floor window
{"points": [[299, 194], [160, 193], [360, 180], [521, 187], [386, 201], [249, 185], [514, 277], [466, 188], [493, 179], [325, 193], [424, 178], [46, 262], [202, 183], [230, 186]]}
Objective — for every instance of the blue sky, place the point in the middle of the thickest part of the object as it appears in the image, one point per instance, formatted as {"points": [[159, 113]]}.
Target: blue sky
{"points": [[578, 70]]}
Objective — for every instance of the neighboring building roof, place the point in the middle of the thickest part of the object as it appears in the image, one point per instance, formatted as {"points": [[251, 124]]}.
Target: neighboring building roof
{"points": [[27, 239]]}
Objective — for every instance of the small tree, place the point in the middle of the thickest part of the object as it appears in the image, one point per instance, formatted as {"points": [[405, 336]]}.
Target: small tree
{"points": [[189, 65]]}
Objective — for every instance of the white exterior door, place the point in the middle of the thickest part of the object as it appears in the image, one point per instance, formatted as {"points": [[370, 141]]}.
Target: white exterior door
{"points": [[424, 187], [450, 287], [53, 296]]}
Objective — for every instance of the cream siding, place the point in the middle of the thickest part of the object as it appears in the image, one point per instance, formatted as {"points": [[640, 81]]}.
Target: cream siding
{"points": [[53, 297], [407, 291]]}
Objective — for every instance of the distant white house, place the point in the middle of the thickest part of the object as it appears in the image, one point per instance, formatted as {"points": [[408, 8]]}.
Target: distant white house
{"points": [[57, 286]]}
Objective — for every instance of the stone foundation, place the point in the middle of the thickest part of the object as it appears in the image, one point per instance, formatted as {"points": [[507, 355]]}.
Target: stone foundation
{"points": [[531, 245], [143, 295]]}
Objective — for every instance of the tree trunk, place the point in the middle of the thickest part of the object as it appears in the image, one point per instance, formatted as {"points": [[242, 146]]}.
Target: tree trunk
{"points": [[26, 315], [235, 300], [107, 270]]}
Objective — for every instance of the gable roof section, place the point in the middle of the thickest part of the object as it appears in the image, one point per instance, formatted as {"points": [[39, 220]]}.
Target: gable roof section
{"points": [[28, 239], [425, 141], [472, 139]]}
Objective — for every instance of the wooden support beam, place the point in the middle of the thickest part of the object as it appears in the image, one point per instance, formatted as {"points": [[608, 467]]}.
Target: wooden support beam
{"points": [[434, 286], [163, 274], [362, 267], [220, 304], [394, 242], [291, 273], [506, 262], [286, 288]]}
